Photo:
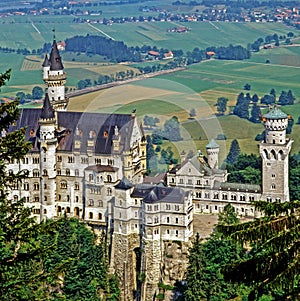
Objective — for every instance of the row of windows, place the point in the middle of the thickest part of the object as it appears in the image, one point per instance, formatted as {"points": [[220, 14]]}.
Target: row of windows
{"points": [[91, 216], [91, 202], [190, 182], [84, 160], [220, 208], [233, 197], [99, 179], [168, 207]]}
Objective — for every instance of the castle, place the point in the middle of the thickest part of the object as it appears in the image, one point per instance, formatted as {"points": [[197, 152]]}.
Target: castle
{"points": [[91, 166]]}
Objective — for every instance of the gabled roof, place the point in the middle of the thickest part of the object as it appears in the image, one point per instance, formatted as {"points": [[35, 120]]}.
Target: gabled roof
{"points": [[166, 195], [124, 184], [83, 127], [55, 59]]}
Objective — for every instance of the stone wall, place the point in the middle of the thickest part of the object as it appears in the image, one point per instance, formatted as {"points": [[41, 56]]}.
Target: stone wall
{"points": [[123, 263]]}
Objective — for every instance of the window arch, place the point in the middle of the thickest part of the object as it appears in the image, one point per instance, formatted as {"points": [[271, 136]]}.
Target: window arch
{"points": [[36, 173]]}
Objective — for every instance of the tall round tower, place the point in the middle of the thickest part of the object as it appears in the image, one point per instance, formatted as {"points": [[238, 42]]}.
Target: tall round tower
{"points": [[48, 142], [274, 150], [212, 150], [55, 79]]}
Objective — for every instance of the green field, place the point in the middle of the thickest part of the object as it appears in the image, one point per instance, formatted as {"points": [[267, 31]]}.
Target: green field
{"points": [[32, 32], [176, 93]]}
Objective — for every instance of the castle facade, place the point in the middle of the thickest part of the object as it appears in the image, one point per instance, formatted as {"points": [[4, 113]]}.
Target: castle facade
{"points": [[91, 166]]}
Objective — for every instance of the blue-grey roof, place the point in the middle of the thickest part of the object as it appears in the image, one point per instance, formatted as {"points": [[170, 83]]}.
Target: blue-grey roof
{"points": [[46, 62], [69, 123], [55, 59], [124, 184], [212, 144], [275, 113], [47, 110]]}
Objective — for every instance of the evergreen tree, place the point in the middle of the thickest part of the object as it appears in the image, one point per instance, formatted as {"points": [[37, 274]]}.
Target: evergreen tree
{"points": [[242, 106], [233, 152], [222, 105], [195, 279], [172, 129], [22, 270], [291, 98], [255, 113], [228, 216], [273, 93], [204, 280], [255, 98], [37, 92], [273, 263]]}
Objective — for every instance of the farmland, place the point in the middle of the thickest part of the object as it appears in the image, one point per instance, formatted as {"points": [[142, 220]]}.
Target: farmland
{"points": [[197, 87]]}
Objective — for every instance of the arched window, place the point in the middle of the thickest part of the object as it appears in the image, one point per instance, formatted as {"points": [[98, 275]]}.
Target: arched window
{"points": [[99, 216], [63, 185], [36, 173], [67, 172], [45, 172], [76, 186], [100, 203], [36, 186], [109, 179], [90, 215], [76, 172], [109, 191], [45, 211]]}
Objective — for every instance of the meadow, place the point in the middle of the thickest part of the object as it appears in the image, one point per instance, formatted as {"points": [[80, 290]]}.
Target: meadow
{"points": [[198, 87]]}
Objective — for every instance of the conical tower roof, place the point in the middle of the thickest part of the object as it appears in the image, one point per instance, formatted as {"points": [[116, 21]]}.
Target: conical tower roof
{"points": [[275, 113], [55, 59], [47, 110], [46, 62], [212, 144]]}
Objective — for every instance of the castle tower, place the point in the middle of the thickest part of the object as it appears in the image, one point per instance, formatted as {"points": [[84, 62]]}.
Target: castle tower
{"points": [[48, 143], [55, 79], [212, 150], [274, 150]]}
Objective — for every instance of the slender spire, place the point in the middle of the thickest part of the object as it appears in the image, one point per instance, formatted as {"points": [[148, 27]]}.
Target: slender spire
{"points": [[47, 110], [46, 62], [55, 59]]}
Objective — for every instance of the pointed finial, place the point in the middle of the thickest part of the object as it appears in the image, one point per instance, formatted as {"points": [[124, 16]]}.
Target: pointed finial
{"points": [[53, 33]]}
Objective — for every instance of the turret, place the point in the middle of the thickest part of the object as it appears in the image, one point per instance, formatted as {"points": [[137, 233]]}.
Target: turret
{"points": [[48, 142], [55, 79], [46, 67], [274, 150], [276, 123], [212, 150]]}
